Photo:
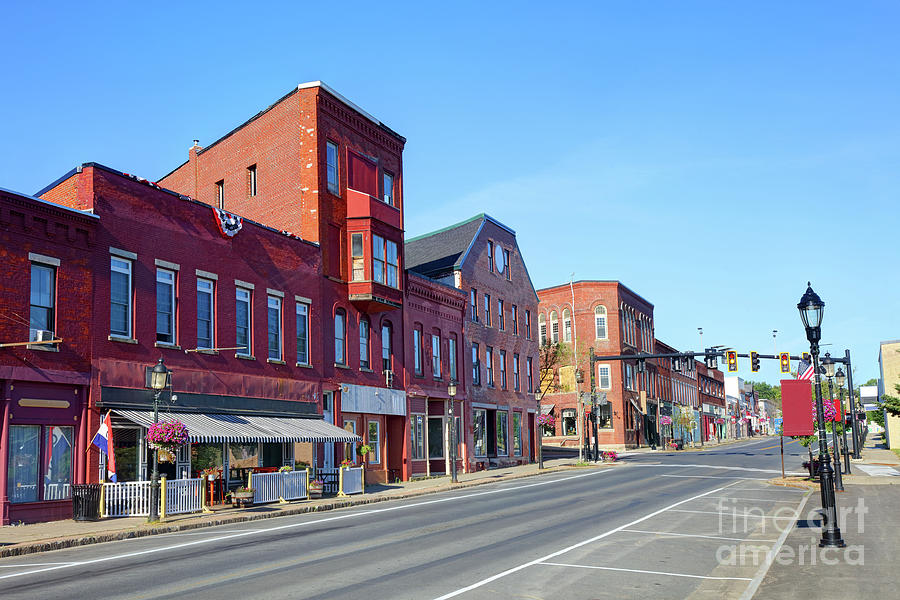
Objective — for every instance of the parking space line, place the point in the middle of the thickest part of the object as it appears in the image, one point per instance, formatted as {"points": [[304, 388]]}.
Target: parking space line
{"points": [[752, 499], [502, 574], [695, 535], [727, 513], [647, 572], [772, 489], [714, 477]]}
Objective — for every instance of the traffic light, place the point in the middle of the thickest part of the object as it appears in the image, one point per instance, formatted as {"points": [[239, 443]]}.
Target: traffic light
{"points": [[711, 362], [641, 365], [676, 363], [731, 359], [806, 357], [754, 361], [785, 360]]}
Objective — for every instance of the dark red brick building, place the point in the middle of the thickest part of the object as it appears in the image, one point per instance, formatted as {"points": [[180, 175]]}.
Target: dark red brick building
{"points": [[481, 257], [315, 164], [711, 390], [45, 294]]}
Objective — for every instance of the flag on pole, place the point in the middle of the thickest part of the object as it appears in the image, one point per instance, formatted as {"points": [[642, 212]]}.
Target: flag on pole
{"points": [[104, 442], [804, 370]]}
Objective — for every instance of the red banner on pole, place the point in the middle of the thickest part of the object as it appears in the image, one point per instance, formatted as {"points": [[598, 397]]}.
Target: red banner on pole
{"points": [[796, 406]]}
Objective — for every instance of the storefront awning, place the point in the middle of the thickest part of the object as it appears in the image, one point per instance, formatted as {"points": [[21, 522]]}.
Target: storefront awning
{"points": [[546, 409], [213, 427]]}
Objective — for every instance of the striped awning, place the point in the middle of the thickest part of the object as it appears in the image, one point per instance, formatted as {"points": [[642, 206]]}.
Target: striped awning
{"points": [[216, 427]]}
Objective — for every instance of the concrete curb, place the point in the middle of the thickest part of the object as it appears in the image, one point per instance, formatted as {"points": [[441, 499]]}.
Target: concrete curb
{"points": [[112, 536]]}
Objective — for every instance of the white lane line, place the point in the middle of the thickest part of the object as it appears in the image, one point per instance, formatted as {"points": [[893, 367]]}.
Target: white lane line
{"points": [[647, 572], [294, 525], [715, 477], [487, 580], [726, 513], [720, 468], [695, 535], [753, 499], [33, 565], [771, 554]]}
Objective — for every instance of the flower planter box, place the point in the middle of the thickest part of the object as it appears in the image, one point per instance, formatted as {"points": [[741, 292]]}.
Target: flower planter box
{"points": [[241, 499], [315, 490]]}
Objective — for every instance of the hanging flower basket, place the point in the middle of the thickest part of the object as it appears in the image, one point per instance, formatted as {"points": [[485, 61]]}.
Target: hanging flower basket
{"points": [[166, 437], [720, 421], [546, 420], [665, 420]]}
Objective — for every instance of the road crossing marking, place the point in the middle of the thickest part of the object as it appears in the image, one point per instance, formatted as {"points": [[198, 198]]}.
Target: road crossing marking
{"points": [[726, 513], [696, 535], [647, 572], [715, 477]]}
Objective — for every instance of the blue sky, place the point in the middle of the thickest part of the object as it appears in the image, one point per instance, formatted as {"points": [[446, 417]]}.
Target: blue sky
{"points": [[712, 156]]}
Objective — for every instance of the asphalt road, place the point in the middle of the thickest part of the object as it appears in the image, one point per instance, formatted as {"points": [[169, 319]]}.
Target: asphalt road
{"points": [[653, 527]]}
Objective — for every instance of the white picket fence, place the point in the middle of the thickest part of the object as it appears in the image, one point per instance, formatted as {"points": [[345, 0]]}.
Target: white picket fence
{"points": [[57, 491], [184, 496], [127, 499], [352, 481], [270, 487]]}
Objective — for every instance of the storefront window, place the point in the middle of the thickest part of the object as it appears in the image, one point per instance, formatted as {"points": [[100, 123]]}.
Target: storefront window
{"points": [[273, 454], [604, 416], [416, 426], [568, 421], [243, 456], [480, 432], [435, 437], [127, 442], [24, 448], [517, 434], [501, 433], [204, 456], [375, 442], [57, 462]]}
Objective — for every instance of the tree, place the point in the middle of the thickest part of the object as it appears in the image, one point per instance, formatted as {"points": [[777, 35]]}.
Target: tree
{"points": [[552, 356], [891, 404]]}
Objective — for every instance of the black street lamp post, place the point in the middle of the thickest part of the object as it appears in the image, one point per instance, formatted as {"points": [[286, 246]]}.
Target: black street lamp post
{"points": [[840, 378], [828, 370], [811, 309], [451, 391], [159, 376]]}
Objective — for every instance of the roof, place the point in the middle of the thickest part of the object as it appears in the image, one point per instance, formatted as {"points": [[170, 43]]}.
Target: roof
{"points": [[444, 250], [589, 281], [84, 213]]}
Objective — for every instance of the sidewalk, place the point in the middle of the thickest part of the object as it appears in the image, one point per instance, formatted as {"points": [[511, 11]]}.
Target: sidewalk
{"points": [[40, 537]]}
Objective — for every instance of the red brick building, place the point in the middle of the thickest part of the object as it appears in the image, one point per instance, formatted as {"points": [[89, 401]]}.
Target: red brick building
{"points": [[481, 257], [711, 390], [613, 320], [433, 315], [228, 305], [315, 164], [45, 295]]}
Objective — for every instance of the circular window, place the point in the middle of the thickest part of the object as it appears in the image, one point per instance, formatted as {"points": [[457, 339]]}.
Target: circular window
{"points": [[498, 258]]}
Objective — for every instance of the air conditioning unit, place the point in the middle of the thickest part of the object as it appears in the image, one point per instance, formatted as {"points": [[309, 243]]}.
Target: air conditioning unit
{"points": [[40, 335], [388, 378]]}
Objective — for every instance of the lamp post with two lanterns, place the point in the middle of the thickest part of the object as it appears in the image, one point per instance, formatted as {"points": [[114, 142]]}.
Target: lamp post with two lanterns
{"points": [[451, 391], [828, 370], [811, 310], [839, 379], [159, 379]]}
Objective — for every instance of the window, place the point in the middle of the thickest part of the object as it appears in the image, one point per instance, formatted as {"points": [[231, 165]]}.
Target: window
{"points": [[487, 310], [515, 319], [302, 333], [567, 325], [500, 322], [33, 458], [378, 258], [364, 343], [436, 356], [350, 449], [515, 372], [502, 369], [491, 256], [473, 303], [387, 347], [388, 187], [451, 356], [528, 324], [600, 322], [242, 319], [340, 337], [417, 351], [435, 437], [629, 377], [358, 260], [603, 376], [489, 363], [476, 365], [274, 314], [417, 441], [220, 193], [480, 434], [251, 179], [506, 263], [165, 306], [529, 374], [385, 263], [604, 416], [120, 297], [205, 318], [42, 313], [502, 424], [375, 442], [517, 434], [542, 329], [554, 327], [331, 168], [393, 264], [568, 422]]}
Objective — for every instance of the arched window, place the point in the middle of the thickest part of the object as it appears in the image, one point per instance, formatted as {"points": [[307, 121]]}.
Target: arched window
{"points": [[554, 327], [542, 328], [600, 322], [567, 325], [364, 343], [340, 337], [387, 346]]}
